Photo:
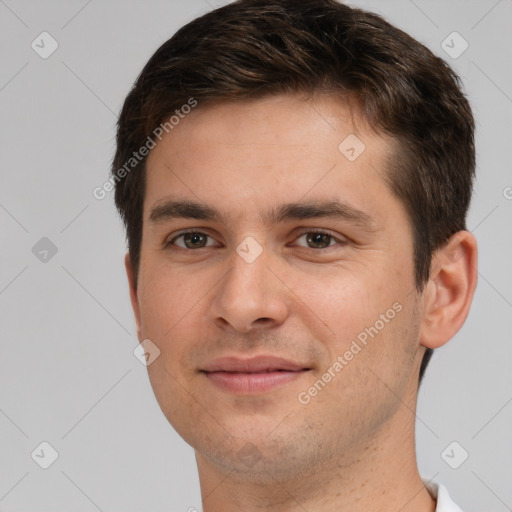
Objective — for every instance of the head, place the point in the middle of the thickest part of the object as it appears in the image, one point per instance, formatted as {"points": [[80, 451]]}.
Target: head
{"points": [[291, 116]]}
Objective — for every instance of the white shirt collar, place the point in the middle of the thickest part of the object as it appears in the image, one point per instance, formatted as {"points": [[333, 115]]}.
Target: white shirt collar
{"points": [[440, 493]]}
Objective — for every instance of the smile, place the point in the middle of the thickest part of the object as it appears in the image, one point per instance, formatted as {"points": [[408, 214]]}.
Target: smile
{"points": [[254, 382], [258, 374]]}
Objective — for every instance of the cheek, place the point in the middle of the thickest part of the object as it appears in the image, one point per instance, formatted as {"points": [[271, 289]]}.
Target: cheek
{"points": [[345, 300], [168, 306], [367, 318], [173, 309], [164, 298]]}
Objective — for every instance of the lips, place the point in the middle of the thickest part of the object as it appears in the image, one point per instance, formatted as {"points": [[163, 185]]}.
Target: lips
{"points": [[260, 364], [254, 375]]}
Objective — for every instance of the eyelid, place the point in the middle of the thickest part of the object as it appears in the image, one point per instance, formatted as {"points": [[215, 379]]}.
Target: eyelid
{"points": [[304, 231], [341, 241], [175, 236]]}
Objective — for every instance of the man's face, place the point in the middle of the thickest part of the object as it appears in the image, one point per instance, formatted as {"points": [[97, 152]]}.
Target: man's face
{"points": [[273, 273]]}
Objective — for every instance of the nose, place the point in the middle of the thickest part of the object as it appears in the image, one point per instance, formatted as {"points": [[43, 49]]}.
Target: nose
{"points": [[250, 296]]}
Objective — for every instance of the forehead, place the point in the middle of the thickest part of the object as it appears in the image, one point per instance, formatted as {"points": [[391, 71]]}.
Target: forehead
{"points": [[279, 122], [270, 151]]}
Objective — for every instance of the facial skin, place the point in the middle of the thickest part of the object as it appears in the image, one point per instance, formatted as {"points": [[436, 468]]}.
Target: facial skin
{"points": [[351, 446]]}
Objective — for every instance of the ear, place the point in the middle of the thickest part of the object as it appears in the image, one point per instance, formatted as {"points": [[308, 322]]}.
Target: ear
{"points": [[133, 294], [450, 289]]}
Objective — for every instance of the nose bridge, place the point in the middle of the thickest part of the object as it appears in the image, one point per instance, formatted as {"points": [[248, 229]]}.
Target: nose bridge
{"points": [[250, 292], [248, 267]]}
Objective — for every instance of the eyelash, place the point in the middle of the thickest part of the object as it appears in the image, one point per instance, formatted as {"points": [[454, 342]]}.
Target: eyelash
{"points": [[309, 231]]}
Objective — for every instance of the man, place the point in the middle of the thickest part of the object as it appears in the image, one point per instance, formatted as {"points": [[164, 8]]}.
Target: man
{"points": [[294, 177]]}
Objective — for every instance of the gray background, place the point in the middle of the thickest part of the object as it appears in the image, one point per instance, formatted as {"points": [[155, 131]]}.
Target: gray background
{"points": [[69, 376]]}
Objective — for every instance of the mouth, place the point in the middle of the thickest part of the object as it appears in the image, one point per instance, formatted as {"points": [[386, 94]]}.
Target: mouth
{"points": [[255, 375]]}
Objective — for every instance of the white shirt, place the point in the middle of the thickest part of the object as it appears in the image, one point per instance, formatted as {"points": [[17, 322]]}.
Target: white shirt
{"points": [[440, 493]]}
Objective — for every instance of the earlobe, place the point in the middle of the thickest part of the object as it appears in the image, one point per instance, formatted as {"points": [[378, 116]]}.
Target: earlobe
{"points": [[450, 289], [133, 294]]}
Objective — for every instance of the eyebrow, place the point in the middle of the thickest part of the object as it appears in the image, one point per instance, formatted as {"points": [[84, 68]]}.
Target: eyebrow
{"points": [[290, 211]]}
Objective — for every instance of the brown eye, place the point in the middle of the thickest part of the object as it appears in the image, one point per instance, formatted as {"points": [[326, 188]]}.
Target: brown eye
{"points": [[318, 240], [192, 240]]}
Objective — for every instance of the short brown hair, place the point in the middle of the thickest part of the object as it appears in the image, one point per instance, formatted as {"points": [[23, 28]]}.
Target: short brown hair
{"points": [[253, 48]]}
